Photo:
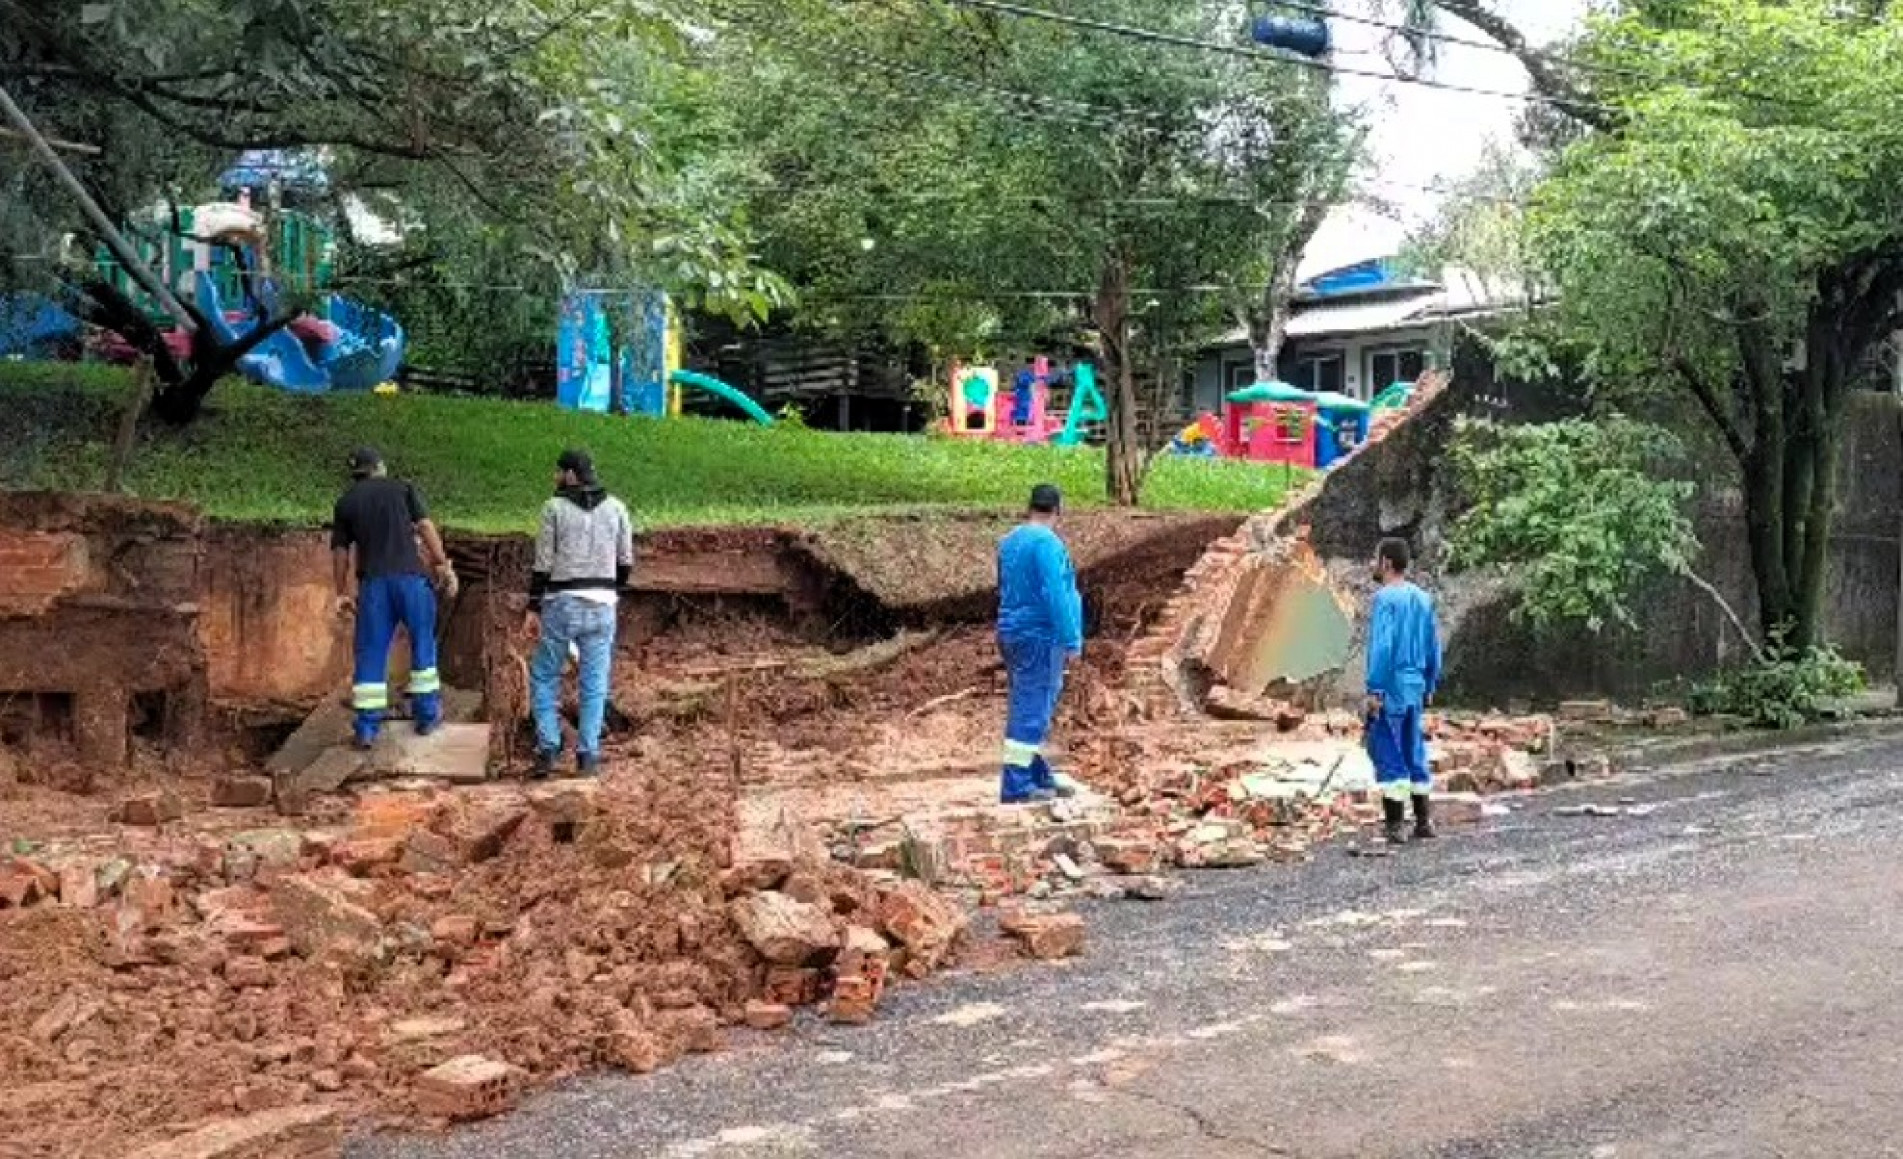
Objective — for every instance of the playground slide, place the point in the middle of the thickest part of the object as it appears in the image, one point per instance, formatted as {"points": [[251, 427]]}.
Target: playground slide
{"points": [[366, 352], [369, 349], [279, 360], [720, 389]]}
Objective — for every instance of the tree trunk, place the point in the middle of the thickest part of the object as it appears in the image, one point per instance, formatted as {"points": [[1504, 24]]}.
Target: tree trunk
{"points": [[1269, 326], [1123, 457], [1268, 322], [142, 380], [1790, 485]]}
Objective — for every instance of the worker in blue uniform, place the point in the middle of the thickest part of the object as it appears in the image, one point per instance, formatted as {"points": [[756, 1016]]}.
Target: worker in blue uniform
{"points": [[1040, 631], [388, 564], [1404, 670]]}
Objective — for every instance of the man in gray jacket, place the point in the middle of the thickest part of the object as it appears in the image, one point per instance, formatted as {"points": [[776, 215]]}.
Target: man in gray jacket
{"points": [[584, 553]]}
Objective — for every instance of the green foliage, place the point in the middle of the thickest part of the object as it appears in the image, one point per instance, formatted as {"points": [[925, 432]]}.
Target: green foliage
{"points": [[963, 182], [264, 455], [562, 133], [1787, 688], [1577, 509]]}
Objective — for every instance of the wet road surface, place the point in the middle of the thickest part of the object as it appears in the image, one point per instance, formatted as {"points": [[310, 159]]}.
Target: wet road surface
{"points": [[1716, 973]]}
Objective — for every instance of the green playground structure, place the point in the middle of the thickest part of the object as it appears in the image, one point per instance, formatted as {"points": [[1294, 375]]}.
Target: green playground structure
{"points": [[721, 390]]}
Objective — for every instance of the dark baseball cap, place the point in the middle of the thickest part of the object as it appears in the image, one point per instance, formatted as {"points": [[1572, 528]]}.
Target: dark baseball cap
{"points": [[577, 460], [365, 460], [1047, 499]]}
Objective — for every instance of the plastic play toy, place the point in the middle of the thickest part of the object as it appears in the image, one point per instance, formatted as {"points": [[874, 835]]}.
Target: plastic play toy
{"points": [[236, 263], [981, 408]]}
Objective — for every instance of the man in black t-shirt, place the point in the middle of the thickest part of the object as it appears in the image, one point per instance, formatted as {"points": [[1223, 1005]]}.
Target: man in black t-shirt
{"points": [[384, 549]]}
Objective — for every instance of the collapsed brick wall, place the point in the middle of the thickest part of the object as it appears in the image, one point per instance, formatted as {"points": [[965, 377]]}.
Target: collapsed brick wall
{"points": [[99, 621], [1203, 638]]}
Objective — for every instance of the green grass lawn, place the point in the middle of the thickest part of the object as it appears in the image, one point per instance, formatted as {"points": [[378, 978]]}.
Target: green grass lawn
{"points": [[485, 465]]}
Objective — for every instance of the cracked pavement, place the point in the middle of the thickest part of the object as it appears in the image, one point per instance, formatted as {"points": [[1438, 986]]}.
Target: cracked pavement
{"points": [[1713, 976]]}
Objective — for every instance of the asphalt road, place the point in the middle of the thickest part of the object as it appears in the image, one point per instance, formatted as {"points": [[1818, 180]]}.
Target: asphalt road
{"points": [[1717, 976]]}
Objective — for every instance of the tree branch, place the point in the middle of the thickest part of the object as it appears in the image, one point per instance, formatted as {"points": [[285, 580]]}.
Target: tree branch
{"points": [[1724, 605], [1714, 406], [1567, 96]]}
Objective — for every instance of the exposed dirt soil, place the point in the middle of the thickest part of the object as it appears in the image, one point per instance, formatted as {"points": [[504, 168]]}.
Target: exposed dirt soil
{"points": [[193, 989]]}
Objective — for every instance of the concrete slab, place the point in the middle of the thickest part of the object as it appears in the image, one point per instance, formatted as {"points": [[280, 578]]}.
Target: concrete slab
{"points": [[454, 752], [326, 727]]}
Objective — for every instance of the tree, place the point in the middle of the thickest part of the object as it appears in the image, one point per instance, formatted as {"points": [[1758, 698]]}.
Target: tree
{"points": [[1584, 511], [543, 123], [976, 181], [1727, 233]]}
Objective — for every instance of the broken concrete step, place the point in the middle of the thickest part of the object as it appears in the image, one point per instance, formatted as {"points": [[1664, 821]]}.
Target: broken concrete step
{"points": [[454, 752]]}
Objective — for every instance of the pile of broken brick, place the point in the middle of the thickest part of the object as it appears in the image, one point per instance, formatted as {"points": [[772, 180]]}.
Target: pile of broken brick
{"points": [[1178, 814], [425, 957]]}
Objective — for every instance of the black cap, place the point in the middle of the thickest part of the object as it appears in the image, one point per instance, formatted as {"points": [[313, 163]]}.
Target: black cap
{"points": [[1046, 499], [576, 460], [365, 461]]}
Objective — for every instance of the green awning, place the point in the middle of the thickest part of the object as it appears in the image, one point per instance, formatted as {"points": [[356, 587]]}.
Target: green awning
{"points": [[1271, 392]]}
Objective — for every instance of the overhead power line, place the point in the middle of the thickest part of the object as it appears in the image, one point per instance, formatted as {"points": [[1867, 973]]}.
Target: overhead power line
{"points": [[1405, 30], [1249, 52]]}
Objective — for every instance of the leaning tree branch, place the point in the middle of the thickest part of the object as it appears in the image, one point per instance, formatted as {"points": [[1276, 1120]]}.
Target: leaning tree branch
{"points": [[1724, 605], [1548, 80]]}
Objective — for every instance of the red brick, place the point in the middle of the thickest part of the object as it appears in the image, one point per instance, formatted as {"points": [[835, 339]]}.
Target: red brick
{"points": [[240, 792], [792, 985], [153, 808], [925, 923], [853, 1001], [469, 1087], [362, 854], [147, 894], [480, 829], [79, 886], [19, 884], [1129, 855], [458, 930], [635, 1047], [768, 1015], [38, 567], [245, 972], [1050, 936], [320, 914]]}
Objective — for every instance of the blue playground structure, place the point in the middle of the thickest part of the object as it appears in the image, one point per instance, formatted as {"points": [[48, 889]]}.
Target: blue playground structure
{"points": [[35, 327], [619, 352], [235, 263]]}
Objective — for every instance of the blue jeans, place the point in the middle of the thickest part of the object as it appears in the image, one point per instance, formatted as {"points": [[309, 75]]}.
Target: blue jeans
{"points": [[1397, 745], [384, 603], [590, 627], [1034, 673]]}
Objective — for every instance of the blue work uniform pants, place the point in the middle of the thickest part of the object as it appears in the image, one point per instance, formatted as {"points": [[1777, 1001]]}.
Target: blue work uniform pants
{"points": [[589, 626], [385, 603], [1034, 674], [1397, 744]]}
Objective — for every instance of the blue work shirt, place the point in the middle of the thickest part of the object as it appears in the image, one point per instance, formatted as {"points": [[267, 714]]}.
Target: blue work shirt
{"points": [[1403, 649], [1037, 589]]}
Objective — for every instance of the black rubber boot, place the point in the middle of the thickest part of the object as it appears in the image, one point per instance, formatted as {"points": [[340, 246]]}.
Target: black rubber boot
{"points": [[1423, 818], [1395, 814], [544, 766]]}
